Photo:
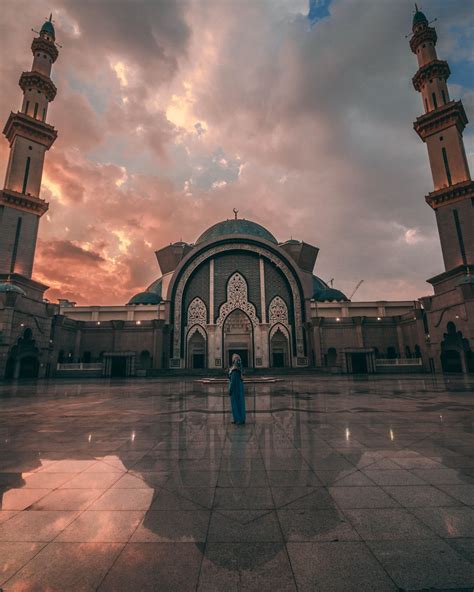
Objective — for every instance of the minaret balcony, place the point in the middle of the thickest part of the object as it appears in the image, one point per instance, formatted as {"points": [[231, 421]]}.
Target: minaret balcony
{"points": [[40, 82], [440, 119], [25, 202], [428, 35], [435, 69], [450, 195], [19, 124], [42, 45]]}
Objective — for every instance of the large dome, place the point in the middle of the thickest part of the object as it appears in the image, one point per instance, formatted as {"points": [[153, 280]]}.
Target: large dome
{"points": [[239, 226]]}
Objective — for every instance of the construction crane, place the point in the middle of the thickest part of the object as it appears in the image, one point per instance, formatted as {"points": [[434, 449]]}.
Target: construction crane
{"points": [[355, 289]]}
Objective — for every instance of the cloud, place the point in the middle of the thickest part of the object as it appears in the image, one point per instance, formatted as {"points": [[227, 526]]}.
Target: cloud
{"points": [[170, 114]]}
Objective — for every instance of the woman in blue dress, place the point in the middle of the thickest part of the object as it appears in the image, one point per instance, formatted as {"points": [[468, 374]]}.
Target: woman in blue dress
{"points": [[236, 390]]}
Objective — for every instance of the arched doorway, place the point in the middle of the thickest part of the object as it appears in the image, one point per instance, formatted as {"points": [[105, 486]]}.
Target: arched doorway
{"points": [[197, 348], [279, 350], [238, 338], [29, 367], [451, 361]]}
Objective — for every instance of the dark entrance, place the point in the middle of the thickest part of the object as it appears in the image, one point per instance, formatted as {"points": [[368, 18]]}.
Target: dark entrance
{"points": [[119, 366], [29, 367], [199, 360], [451, 361], [278, 360], [244, 356], [359, 363]]}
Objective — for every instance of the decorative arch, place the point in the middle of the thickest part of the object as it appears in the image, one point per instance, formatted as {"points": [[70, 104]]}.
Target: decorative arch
{"points": [[237, 298], [189, 267], [279, 342], [278, 312], [196, 347], [197, 313]]}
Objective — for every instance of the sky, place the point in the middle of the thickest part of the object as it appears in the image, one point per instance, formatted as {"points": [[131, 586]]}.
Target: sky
{"points": [[299, 113]]}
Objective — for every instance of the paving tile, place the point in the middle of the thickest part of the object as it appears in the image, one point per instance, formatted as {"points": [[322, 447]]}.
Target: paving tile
{"points": [[395, 477], [465, 547], [388, 524], [463, 493], [291, 478], [66, 566], [337, 567], [183, 498], [424, 565], [14, 556], [253, 567], [420, 496], [296, 498], [35, 526], [351, 478], [173, 526], [242, 479], [87, 480], [44, 480], [243, 498], [362, 497], [155, 567], [124, 499], [102, 527], [316, 525], [67, 499], [239, 526], [19, 499], [454, 522], [443, 476]]}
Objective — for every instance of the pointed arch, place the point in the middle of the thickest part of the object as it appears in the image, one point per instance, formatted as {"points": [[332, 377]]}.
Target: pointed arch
{"points": [[237, 298], [197, 312]]}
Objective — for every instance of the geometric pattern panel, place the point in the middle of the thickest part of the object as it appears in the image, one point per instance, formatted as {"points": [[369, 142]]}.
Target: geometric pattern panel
{"points": [[237, 298], [197, 313]]}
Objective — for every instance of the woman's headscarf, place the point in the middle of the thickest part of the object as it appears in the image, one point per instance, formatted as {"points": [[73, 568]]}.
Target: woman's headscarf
{"points": [[236, 363]]}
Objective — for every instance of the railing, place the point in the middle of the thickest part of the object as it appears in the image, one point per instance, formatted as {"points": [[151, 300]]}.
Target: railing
{"points": [[398, 362], [80, 366]]}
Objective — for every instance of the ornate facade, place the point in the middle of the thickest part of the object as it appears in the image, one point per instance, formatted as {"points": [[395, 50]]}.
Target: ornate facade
{"points": [[237, 288]]}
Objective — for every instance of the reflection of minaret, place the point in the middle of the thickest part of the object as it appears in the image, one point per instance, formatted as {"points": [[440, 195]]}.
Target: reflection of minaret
{"points": [[441, 127], [29, 136]]}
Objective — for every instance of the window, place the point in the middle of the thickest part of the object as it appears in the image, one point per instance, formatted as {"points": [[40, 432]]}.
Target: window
{"points": [[446, 165], [443, 94], [27, 107], [460, 241], [441, 138], [15, 244], [426, 105], [435, 102], [44, 113], [36, 110], [30, 147], [27, 172]]}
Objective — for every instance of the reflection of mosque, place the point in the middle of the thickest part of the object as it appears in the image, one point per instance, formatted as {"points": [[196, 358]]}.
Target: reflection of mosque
{"points": [[237, 288]]}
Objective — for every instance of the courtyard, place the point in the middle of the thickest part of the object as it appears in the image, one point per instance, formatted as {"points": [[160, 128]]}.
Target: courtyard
{"points": [[334, 484]]}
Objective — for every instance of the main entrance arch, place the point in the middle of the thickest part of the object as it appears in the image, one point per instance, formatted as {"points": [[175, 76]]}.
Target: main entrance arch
{"points": [[237, 335]]}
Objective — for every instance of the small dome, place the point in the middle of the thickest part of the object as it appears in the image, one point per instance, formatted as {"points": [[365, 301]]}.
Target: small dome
{"points": [[318, 285], [145, 298], [239, 226], [49, 29], [419, 18], [4, 287], [156, 287], [330, 295]]}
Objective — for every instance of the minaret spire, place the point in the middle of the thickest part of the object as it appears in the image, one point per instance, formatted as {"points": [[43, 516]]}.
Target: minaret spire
{"points": [[441, 127], [30, 137]]}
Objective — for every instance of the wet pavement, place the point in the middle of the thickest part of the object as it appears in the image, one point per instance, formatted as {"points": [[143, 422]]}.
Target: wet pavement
{"points": [[334, 484]]}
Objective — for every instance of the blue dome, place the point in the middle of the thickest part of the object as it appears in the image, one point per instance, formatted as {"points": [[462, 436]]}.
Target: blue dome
{"points": [[4, 287], [318, 285], [239, 226], [145, 298], [419, 18], [49, 29], [330, 295], [156, 287]]}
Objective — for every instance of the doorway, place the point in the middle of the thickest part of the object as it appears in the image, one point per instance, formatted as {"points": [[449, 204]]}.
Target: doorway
{"points": [[359, 363], [196, 350], [238, 337], [451, 361], [279, 349], [118, 368]]}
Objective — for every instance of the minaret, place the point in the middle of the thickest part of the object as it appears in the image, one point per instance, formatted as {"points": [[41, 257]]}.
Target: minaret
{"points": [[29, 136], [441, 127]]}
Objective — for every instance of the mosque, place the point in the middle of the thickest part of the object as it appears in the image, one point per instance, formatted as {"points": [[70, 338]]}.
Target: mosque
{"points": [[237, 288]]}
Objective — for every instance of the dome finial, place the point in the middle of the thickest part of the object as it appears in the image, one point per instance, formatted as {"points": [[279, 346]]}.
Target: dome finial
{"points": [[235, 213]]}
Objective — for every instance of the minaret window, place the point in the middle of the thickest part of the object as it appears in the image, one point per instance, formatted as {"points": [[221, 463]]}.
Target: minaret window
{"points": [[36, 110], [426, 105], [460, 237], [446, 165], [435, 102], [44, 113], [444, 96], [15, 245], [27, 172], [26, 107]]}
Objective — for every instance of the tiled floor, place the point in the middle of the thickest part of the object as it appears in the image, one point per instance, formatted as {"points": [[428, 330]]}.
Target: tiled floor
{"points": [[334, 484]]}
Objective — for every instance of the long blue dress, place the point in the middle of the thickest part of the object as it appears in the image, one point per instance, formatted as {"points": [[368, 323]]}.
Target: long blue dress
{"points": [[237, 395]]}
